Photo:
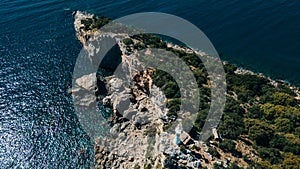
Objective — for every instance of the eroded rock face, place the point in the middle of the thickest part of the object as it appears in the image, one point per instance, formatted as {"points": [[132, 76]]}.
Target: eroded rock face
{"points": [[134, 100], [104, 52], [136, 137], [87, 82], [84, 92], [135, 112]]}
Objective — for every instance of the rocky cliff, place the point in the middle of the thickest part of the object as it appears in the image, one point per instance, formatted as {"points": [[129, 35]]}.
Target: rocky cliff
{"points": [[139, 115], [137, 136]]}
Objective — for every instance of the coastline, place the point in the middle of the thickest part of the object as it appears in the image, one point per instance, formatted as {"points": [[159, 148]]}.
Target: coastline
{"points": [[294, 88], [132, 128], [242, 70], [79, 15]]}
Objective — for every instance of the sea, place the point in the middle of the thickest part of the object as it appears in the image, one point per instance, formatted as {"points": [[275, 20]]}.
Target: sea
{"points": [[38, 50]]}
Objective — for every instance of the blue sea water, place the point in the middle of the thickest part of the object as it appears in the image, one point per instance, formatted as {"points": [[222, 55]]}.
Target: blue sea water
{"points": [[38, 50]]}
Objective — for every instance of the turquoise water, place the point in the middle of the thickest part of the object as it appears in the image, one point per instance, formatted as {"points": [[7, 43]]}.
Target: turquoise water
{"points": [[38, 49]]}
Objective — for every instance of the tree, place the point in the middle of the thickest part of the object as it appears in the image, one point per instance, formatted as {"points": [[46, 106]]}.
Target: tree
{"points": [[255, 112], [218, 166], [234, 166], [170, 91], [283, 99], [232, 124], [128, 41], [271, 154], [200, 120], [214, 152], [227, 145], [278, 141], [260, 132], [230, 68], [293, 144], [283, 125], [272, 111], [291, 161]]}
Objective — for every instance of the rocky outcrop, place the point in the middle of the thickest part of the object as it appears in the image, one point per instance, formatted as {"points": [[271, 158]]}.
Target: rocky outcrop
{"points": [[84, 92], [137, 138]]}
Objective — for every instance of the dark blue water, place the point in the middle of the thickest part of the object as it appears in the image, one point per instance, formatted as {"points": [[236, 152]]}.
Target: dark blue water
{"points": [[38, 49]]}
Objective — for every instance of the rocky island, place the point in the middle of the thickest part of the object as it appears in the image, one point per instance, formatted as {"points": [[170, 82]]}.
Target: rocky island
{"points": [[259, 129]]}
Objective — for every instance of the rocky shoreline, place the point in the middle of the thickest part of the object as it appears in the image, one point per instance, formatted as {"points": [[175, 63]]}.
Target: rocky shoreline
{"points": [[272, 81], [138, 138]]}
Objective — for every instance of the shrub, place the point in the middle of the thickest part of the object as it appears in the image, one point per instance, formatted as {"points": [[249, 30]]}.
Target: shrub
{"points": [[271, 154], [284, 99], [293, 144], [255, 112], [259, 131], [137, 166], [234, 166], [214, 152], [230, 68], [283, 125], [278, 141], [95, 22], [291, 161], [227, 145]]}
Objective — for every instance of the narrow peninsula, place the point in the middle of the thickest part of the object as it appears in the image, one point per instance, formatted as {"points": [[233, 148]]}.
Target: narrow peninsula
{"points": [[260, 126]]}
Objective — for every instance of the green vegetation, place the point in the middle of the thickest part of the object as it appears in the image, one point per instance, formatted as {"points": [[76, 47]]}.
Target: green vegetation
{"points": [[232, 124], [147, 166], [137, 166], [227, 145], [214, 152], [165, 81], [149, 41], [128, 41], [270, 154], [194, 147], [95, 22], [234, 166], [269, 116]]}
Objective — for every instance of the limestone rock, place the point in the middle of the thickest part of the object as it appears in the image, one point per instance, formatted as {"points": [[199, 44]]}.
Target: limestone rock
{"points": [[87, 82]]}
